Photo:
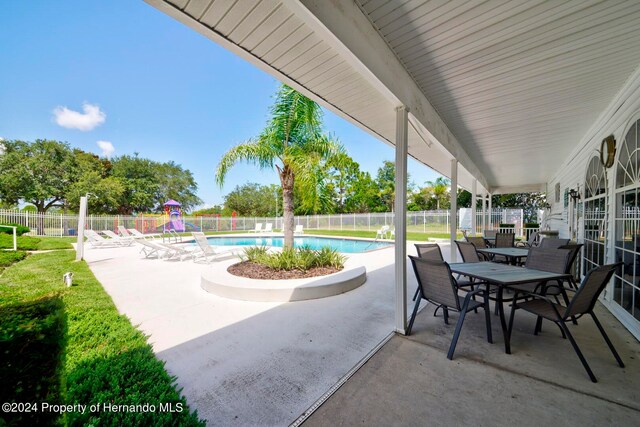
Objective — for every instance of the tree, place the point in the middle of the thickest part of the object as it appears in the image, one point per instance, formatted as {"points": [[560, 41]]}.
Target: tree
{"points": [[386, 182], [141, 184], [293, 143], [528, 202], [438, 191], [176, 183], [93, 175], [252, 199]]}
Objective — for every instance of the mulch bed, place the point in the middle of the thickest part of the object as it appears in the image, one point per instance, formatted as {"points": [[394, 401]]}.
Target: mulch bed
{"points": [[252, 270]]}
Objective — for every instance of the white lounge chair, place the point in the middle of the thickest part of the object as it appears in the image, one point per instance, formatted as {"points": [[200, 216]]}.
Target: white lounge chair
{"points": [[299, 229], [268, 228], [123, 232], [122, 241], [258, 228], [97, 241], [138, 235], [382, 232], [152, 249], [210, 253]]}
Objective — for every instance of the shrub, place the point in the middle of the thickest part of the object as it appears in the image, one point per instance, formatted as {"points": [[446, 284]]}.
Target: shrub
{"points": [[507, 225], [303, 258], [31, 357], [11, 257], [20, 229]]}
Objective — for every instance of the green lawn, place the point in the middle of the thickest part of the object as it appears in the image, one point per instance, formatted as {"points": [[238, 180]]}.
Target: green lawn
{"points": [[70, 345], [29, 243]]}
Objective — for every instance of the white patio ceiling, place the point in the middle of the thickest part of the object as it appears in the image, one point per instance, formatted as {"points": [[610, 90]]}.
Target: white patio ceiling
{"points": [[508, 88]]}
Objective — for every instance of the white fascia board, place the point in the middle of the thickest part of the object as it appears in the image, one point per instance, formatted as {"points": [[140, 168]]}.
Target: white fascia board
{"points": [[350, 32]]}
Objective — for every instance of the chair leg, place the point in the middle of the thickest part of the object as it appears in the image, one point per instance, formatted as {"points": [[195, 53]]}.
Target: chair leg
{"points": [[445, 311], [513, 312], [487, 318], [413, 315], [606, 338], [578, 352], [456, 334], [416, 294], [538, 327]]}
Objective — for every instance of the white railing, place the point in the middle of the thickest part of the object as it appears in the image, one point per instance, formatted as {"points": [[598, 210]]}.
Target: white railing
{"points": [[55, 224], [15, 235]]}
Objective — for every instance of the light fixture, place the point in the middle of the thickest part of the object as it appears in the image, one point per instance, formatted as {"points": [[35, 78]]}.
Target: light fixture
{"points": [[574, 194]]}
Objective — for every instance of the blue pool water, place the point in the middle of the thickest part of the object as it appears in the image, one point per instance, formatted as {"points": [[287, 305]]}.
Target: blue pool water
{"points": [[341, 245]]}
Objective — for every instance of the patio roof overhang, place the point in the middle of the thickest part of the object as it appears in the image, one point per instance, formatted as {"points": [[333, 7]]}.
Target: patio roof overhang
{"points": [[509, 89]]}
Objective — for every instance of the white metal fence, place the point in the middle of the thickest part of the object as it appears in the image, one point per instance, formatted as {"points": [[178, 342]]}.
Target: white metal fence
{"points": [[54, 224]]}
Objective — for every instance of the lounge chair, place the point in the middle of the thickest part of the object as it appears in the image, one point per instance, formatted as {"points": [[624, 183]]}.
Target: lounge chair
{"points": [[151, 248], [268, 228], [258, 228], [122, 241], [210, 253], [382, 232], [299, 229], [138, 235], [97, 241], [123, 232]]}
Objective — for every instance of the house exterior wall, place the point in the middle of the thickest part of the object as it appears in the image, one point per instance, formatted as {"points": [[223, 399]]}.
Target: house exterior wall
{"points": [[621, 113]]}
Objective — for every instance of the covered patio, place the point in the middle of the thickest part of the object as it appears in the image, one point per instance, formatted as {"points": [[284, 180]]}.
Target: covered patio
{"points": [[500, 97]]}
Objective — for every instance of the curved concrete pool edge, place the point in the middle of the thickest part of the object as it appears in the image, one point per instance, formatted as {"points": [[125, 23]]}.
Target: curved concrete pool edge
{"points": [[220, 282]]}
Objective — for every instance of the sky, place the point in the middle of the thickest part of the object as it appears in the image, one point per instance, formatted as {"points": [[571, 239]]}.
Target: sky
{"points": [[119, 77]]}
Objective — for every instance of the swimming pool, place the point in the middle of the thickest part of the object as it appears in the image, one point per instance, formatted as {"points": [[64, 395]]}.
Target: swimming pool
{"points": [[341, 245]]}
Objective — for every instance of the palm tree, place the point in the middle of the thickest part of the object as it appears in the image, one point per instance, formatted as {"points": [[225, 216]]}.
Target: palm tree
{"points": [[437, 189], [294, 144]]}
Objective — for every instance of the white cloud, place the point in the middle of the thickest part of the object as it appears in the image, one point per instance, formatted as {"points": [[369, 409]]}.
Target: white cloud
{"points": [[106, 147], [86, 121]]}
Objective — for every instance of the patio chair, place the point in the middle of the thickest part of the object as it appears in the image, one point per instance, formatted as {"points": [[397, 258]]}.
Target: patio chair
{"points": [[430, 251], [437, 285], [268, 228], [553, 242], [257, 229], [503, 240], [575, 250], [582, 303], [479, 243], [97, 241], [533, 241], [210, 253], [299, 229], [382, 232], [122, 241]]}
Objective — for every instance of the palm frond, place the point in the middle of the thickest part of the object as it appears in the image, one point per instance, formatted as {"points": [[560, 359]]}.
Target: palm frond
{"points": [[257, 152]]}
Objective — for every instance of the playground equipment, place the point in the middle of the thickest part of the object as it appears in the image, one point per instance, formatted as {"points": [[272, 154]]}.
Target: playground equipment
{"points": [[174, 215]]}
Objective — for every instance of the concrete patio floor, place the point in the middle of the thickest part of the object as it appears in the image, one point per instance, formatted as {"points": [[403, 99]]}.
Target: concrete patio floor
{"points": [[249, 363], [411, 382]]}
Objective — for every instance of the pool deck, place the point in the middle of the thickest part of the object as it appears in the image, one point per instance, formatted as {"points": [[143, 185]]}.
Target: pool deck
{"points": [[248, 363]]}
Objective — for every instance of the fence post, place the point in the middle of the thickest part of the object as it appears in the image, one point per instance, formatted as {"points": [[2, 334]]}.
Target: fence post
{"points": [[340, 222]]}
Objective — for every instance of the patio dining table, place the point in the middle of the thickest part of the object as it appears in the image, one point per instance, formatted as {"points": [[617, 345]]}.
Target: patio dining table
{"points": [[513, 255], [503, 276]]}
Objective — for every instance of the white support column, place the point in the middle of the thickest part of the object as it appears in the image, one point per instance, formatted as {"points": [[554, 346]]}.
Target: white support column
{"points": [[82, 217], [454, 209], [490, 212], [400, 220], [484, 212], [474, 210]]}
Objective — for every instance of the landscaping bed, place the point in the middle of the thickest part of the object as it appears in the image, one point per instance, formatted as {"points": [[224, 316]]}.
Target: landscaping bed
{"points": [[254, 270], [62, 345]]}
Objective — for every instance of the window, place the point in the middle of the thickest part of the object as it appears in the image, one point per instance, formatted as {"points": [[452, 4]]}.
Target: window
{"points": [[595, 208], [626, 290]]}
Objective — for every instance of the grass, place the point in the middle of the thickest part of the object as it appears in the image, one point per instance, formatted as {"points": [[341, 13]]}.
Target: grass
{"points": [[99, 356], [30, 243]]}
